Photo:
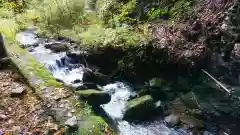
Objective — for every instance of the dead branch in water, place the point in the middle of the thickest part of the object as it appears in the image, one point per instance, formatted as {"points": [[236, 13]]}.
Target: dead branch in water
{"points": [[216, 81]]}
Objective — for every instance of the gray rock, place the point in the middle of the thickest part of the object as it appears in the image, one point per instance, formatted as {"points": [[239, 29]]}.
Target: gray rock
{"points": [[71, 122], [140, 108], [94, 97], [172, 120], [17, 91]]}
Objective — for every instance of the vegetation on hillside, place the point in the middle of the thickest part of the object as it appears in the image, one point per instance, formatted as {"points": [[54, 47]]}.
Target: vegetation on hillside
{"points": [[115, 22]]}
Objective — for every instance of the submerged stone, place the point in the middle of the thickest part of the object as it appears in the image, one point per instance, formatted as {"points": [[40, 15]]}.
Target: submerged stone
{"points": [[94, 97], [139, 108]]}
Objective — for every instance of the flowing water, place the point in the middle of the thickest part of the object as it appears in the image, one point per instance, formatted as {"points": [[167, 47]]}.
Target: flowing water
{"points": [[67, 69]]}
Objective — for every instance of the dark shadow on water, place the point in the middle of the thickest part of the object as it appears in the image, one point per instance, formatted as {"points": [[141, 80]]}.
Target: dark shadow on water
{"points": [[101, 112]]}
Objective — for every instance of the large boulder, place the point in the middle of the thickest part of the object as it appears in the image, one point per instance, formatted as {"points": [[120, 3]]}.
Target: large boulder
{"points": [[94, 97], [140, 108], [90, 76]]}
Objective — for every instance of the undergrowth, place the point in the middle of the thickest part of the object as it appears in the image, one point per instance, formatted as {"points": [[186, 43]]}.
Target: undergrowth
{"points": [[115, 22]]}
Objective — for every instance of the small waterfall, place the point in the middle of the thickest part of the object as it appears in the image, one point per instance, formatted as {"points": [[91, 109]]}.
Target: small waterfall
{"points": [[68, 69]]}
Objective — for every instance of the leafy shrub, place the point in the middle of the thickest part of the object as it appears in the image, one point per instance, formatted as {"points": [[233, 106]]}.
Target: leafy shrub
{"points": [[61, 13], [115, 12]]}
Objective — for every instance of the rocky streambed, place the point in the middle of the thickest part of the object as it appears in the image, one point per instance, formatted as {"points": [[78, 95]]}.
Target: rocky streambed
{"points": [[161, 105]]}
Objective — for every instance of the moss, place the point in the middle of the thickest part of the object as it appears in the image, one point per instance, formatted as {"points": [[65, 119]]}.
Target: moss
{"points": [[156, 82], [92, 123], [140, 100]]}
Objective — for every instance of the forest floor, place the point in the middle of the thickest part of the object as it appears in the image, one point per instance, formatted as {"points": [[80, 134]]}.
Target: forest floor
{"points": [[21, 113]]}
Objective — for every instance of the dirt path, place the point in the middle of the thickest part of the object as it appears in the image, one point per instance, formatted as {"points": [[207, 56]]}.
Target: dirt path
{"points": [[22, 113]]}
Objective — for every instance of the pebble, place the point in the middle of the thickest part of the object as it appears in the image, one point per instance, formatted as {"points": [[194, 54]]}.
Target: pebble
{"points": [[2, 116], [17, 91]]}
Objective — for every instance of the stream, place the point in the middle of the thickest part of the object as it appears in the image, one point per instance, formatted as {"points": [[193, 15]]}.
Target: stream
{"points": [[64, 67]]}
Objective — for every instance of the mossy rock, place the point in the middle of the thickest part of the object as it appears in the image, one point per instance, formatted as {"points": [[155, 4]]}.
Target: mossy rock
{"points": [[139, 108], [94, 97], [156, 82]]}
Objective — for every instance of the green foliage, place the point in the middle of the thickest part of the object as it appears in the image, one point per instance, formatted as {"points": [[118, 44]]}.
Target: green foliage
{"points": [[96, 35], [182, 8], [115, 12], [8, 28], [62, 13], [156, 13], [17, 6]]}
